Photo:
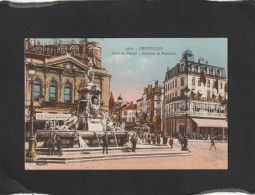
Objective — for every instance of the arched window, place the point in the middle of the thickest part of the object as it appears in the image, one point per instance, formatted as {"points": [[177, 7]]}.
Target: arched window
{"points": [[53, 91], [37, 89], [67, 93]]}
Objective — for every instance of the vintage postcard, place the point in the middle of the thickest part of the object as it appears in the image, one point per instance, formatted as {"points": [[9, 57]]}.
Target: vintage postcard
{"points": [[126, 103]]}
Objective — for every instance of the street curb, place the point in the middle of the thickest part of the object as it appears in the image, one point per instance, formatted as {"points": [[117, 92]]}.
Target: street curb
{"points": [[111, 157]]}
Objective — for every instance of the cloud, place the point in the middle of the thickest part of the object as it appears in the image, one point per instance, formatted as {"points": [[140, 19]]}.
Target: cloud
{"points": [[116, 59], [144, 62], [129, 73]]}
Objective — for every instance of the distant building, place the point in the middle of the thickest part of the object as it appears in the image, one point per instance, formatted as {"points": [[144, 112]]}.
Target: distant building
{"points": [[131, 113], [206, 114], [139, 109], [152, 107]]}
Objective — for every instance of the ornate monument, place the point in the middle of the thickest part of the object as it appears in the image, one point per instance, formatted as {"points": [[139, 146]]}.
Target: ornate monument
{"points": [[88, 123]]}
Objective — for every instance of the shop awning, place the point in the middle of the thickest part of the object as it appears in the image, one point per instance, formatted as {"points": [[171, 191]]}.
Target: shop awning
{"points": [[210, 122]]}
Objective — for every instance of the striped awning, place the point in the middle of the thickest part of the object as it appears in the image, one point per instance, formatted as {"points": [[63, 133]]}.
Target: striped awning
{"points": [[210, 122]]}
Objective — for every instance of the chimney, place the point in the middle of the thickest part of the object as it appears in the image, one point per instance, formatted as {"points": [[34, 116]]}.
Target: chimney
{"points": [[206, 62], [199, 60]]}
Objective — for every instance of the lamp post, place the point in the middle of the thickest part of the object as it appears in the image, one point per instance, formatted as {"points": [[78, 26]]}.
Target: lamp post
{"points": [[31, 154], [120, 100], [185, 137]]}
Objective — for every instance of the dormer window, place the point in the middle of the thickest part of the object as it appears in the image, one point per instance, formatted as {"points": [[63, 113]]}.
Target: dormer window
{"points": [[182, 67], [220, 73], [193, 68], [199, 69], [213, 71], [208, 70]]}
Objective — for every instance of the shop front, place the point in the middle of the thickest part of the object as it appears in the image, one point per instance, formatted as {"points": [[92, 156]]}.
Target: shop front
{"points": [[211, 126]]}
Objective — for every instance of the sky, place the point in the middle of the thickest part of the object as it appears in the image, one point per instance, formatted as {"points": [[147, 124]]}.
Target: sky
{"points": [[131, 73]]}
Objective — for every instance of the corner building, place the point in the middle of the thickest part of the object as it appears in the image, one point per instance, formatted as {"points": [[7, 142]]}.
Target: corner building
{"points": [[205, 114]]}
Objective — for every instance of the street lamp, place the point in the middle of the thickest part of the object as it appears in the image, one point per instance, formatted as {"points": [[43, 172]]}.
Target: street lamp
{"points": [[120, 100], [185, 137], [31, 154]]}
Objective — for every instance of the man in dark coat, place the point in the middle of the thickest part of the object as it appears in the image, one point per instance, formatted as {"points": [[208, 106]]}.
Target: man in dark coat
{"points": [[164, 139], [105, 143], [171, 141], [153, 139], [51, 144], [58, 143], [158, 139], [212, 143], [133, 141]]}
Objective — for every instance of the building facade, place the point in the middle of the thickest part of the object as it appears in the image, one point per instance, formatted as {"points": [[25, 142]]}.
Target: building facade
{"points": [[202, 107], [58, 76], [151, 106]]}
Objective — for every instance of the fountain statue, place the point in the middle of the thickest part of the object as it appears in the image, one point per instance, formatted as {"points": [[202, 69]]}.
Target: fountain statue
{"points": [[88, 123]]}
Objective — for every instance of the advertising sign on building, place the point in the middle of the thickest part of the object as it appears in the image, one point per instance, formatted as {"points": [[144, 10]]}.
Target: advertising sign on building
{"points": [[46, 116]]}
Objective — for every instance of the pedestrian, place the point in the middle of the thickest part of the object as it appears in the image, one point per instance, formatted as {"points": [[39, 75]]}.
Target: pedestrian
{"points": [[105, 143], [59, 143], [133, 141], [149, 139], [212, 143], [158, 139], [153, 139], [171, 141], [164, 139], [51, 144]]}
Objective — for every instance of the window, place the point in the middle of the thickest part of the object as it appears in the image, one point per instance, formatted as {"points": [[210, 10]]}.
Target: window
{"points": [[175, 93], [182, 67], [37, 89], [208, 70], [193, 80], [53, 91], [220, 85], [220, 73], [199, 82], [67, 93], [175, 82], [208, 83], [193, 68], [182, 81], [170, 85], [208, 94]]}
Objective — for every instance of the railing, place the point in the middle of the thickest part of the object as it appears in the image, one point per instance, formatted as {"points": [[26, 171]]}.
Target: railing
{"points": [[196, 108], [198, 114]]}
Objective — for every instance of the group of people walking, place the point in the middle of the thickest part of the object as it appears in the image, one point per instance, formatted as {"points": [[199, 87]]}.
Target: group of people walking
{"points": [[54, 142]]}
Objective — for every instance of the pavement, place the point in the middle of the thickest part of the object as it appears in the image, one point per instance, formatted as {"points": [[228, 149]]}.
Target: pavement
{"points": [[159, 158]]}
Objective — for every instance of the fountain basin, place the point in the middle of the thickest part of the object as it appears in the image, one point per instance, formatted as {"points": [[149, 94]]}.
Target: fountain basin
{"points": [[70, 138]]}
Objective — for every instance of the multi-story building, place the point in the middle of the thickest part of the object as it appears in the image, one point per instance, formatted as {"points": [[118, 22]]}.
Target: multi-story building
{"points": [[205, 114], [59, 74], [152, 104], [131, 113], [139, 109]]}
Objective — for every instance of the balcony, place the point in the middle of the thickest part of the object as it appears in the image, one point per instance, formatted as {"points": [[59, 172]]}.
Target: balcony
{"points": [[196, 109]]}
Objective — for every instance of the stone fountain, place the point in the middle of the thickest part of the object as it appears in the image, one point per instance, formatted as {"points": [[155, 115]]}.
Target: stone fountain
{"points": [[88, 123]]}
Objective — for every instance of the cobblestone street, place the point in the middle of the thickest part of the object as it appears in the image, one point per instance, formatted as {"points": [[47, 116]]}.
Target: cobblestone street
{"points": [[201, 158]]}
